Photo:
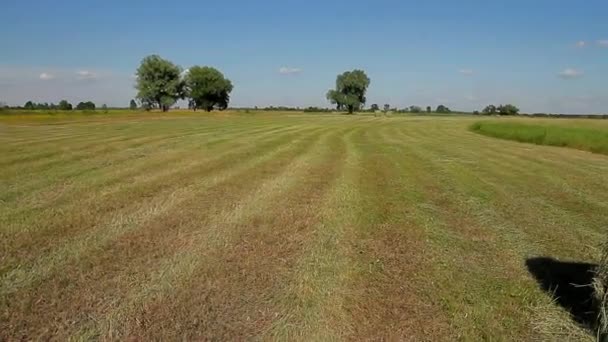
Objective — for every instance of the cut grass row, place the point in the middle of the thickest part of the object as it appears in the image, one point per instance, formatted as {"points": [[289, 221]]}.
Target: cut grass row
{"points": [[123, 206], [593, 139]]}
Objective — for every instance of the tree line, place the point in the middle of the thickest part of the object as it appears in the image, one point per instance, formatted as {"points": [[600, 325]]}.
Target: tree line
{"points": [[63, 105], [160, 84], [507, 109], [411, 109], [350, 91]]}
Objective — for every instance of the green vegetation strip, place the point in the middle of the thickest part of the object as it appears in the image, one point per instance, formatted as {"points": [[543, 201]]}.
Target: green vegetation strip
{"points": [[582, 138]]}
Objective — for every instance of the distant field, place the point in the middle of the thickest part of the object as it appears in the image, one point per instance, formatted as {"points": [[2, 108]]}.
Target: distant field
{"points": [[590, 135], [288, 226]]}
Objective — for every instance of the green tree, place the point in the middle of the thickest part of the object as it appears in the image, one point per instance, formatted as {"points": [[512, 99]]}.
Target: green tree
{"points": [[207, 88], [508, 109], [64, 105], [159, 82], [85, 106], [442, 109], [429, 109], [104, 107], [133, 105], [387, 107], [29, 105], [489, 110], [374, 107], [415, 109], [349, 94]]}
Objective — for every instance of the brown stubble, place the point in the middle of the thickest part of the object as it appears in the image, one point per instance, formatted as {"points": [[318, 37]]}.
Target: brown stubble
{"points": [[102, 270], [463, 242], [230, 296], [386, 299], [96, 166], [420, 233], [357, 278], [27, 237], [478, 199]]}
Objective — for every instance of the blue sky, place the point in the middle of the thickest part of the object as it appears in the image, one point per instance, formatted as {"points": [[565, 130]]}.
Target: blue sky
{"points": [[544, 56]]}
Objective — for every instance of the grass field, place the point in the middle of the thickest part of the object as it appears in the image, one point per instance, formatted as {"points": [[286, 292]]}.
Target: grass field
{"points": [[288, 226], [590, 135]]}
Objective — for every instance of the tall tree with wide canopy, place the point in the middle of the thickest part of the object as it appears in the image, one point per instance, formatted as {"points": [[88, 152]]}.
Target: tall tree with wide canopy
{"points": [[442, 109], [159, 82], [64, 105], [490, 109], [85, 106], [349, 94], [207, 88], [507, 109]]}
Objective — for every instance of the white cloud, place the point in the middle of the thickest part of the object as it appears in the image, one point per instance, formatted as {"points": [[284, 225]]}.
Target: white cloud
{"points": [[603, 43], [466, 72], [85, 75], [289, 71], [570, 73], [45, 76], [471, 98], [581, 43]]}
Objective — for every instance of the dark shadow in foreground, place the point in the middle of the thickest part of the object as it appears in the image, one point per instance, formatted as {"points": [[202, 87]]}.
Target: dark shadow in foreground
{"points": [[570, 284]]}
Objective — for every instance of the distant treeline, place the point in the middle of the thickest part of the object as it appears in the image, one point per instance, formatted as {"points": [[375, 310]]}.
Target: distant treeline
{"points": [[161, 83], [568, 116], [64, 105], [286, 109], [501, 110]]}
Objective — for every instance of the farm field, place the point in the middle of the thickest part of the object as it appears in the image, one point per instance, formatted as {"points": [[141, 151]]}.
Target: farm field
{"points": [[236, 226], [589, 136]]}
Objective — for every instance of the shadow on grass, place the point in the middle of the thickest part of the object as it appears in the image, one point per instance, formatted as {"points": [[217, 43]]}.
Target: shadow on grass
{"points": [[570, 285]]}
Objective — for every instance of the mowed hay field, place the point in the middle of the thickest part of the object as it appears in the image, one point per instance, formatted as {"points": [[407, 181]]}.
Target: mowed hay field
{"points": [[287, 226]]}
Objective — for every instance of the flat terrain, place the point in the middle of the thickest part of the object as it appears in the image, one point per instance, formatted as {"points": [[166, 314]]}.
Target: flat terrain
{"points": [[273, 226], [591, 135]]}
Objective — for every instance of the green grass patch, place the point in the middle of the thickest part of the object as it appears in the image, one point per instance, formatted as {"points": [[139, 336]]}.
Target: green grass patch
{"points": [[582, 138]]}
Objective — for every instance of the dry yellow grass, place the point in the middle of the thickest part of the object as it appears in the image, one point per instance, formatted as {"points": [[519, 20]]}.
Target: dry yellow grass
{"points": [[275, 226]]}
